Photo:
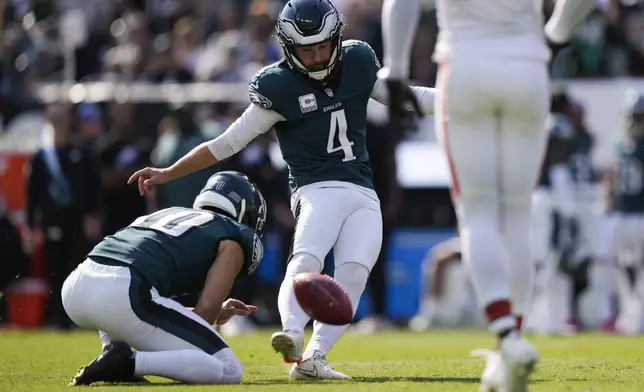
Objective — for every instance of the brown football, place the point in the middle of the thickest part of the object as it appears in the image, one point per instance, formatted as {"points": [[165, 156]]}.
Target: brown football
{"points": [[322, 298]]}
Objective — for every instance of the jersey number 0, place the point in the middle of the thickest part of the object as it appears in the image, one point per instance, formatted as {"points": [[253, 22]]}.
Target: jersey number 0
{"points": [[339, 126], [174, 224]]}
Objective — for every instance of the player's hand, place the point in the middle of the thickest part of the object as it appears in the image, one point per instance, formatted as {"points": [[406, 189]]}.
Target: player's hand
{"points": [[404, 109], [234, 307], [147, 178]]}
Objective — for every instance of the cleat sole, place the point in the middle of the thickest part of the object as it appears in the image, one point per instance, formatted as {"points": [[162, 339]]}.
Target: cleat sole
{"points": [[284, 345]]}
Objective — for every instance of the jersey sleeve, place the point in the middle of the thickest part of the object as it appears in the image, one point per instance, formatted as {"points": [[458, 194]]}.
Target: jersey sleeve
{"points": [[264, 87], [252, 123], [253, 249]]}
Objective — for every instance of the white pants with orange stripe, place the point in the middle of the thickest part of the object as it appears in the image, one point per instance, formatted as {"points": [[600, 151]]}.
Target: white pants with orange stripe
{"points": [[491, 122]]}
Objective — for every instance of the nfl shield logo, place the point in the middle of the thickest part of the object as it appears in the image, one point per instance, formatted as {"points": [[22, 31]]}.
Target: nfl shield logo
{"points": [[329, 92]]}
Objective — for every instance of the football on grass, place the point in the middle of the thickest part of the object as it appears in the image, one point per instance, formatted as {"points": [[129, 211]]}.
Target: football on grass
{"points": [[322, 298]]}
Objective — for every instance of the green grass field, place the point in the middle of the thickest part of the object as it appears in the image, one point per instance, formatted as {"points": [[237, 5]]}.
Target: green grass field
{"points": [[436, 361]]}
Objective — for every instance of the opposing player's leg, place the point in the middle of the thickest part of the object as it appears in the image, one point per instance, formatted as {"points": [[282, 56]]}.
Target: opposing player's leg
{"points": [[173, 342], [355, 254], [522, 142], [475, 104], [472, 147], [319, 214]]}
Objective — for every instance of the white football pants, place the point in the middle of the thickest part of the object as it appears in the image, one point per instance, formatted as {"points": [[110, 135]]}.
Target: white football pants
{"points": [[173, 342], [491, 122]]}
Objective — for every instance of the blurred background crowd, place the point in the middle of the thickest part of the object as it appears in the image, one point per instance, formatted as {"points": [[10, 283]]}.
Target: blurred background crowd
{"points": [[44, 234]]}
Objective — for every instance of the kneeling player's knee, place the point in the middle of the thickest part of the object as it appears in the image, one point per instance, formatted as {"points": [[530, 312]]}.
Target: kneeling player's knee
{"points": [[353, 277], [233, 369], [303, 262]]}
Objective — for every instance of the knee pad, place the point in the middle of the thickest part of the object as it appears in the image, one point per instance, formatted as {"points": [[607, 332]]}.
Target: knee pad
{"points": [[353, 278], [303, 262]]}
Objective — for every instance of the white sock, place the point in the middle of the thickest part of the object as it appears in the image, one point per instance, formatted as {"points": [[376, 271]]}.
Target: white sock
{"points": [[189, 366], [399, 23], [105, 339], [293, 317], [353, 278]]}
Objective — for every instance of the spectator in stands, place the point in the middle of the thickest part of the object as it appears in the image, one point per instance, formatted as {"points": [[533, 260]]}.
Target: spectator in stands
{"points": [[63, 194], [164, 66], [179, 135], [90, 125], [257, 43], [188, 42], [122, 153]]}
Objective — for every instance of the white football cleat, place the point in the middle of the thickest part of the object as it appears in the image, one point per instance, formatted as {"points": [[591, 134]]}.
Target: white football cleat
{"points": [[315, 367], [289, 345], [493, 378], [520, 358], [508, 369]]}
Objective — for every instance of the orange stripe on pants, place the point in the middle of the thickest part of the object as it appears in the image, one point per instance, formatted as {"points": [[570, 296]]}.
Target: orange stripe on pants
{"points": [[442, 81]]}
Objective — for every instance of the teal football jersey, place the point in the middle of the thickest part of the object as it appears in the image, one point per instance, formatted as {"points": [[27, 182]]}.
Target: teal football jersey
{"points": [[323, 137], [174, 248]]}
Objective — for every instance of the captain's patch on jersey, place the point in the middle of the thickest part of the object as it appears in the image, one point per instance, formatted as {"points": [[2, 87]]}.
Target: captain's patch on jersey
{"points": [[308, 103]]}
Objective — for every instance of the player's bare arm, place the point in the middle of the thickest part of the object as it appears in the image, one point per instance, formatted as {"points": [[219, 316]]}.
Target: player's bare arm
{"points": [[252, 123], [220, 279]]}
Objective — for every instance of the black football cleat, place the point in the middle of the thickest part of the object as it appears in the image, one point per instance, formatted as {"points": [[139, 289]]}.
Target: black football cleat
{"points": [[115, 364], [134, 379]]}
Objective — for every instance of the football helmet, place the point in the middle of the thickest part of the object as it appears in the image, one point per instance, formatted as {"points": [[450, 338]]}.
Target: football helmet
{"points": [[310, 22], [233, 194]]}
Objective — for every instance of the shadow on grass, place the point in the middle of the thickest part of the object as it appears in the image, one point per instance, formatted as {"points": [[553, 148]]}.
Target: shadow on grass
{"points": [[364, 380]]}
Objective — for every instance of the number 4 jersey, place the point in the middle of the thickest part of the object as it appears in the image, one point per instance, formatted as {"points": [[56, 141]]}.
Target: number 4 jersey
{"points": [[323, 137], [174, 248]]}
